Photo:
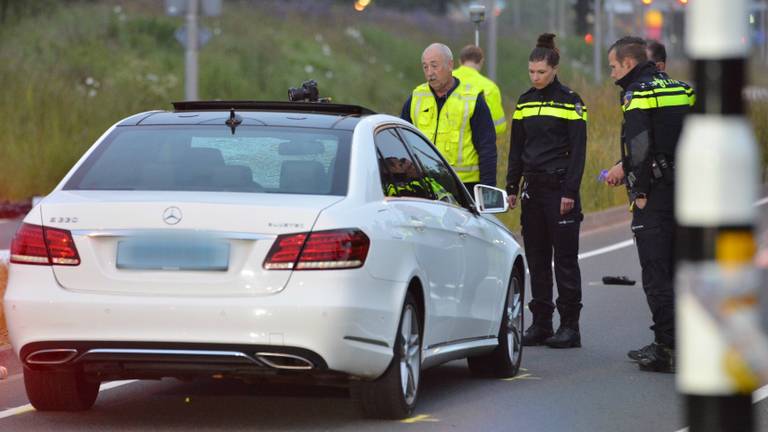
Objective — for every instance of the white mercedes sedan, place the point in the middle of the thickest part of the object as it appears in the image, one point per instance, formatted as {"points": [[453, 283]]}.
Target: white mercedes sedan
{"points": [[236, 239]]}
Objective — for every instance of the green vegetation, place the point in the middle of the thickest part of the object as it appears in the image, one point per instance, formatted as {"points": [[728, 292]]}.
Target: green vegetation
{"points": [[71, 72]]}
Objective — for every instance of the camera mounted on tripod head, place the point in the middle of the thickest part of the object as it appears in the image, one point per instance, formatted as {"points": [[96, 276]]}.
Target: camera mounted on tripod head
{"points": [[308, 92]]}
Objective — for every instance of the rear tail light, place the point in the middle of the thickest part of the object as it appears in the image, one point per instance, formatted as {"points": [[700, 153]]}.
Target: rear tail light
{"points": [[34, 244], [337, 249]]}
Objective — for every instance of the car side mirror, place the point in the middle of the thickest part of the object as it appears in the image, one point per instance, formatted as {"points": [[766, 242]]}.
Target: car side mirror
{"points": [[490, 199]]}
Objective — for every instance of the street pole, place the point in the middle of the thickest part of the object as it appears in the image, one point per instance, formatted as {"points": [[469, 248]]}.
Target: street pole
{"points": [[516, 20], [716, 185], [190, 54], [597, 42], [490, 68], [611, 22], [552, 17]]}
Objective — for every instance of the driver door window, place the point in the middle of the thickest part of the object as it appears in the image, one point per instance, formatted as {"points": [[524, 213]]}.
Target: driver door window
{"points": [[437, 175], [401, 176]]}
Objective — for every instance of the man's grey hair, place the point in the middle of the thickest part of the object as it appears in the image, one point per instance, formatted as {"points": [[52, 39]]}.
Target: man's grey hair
{"points": [[444, 50]]}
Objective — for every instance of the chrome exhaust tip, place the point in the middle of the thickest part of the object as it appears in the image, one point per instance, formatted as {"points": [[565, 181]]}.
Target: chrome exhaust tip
{"points": [[284, 361], [51, 356]]}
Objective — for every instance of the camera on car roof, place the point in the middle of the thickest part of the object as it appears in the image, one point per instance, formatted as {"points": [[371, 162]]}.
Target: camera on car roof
{"points": [[308, 92]]}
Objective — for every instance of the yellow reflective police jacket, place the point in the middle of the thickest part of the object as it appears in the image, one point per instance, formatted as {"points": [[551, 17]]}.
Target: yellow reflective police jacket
{"points": [[491, 92], [450, 132]]}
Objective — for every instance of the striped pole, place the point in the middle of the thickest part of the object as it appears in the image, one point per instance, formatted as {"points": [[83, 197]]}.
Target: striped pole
{"points": [[716, 186]]}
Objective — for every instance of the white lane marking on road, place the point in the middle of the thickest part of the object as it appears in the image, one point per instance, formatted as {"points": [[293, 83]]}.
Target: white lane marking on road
{"points": [[630, 242], [610, 248], [28, 407], [760, 394]]}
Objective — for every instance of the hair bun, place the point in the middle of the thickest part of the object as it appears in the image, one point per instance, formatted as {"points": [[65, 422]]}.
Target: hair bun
{"points": [[546, 40]]}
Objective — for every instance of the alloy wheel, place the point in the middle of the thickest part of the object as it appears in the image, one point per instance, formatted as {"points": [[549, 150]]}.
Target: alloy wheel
{"points": [[410, 354]]}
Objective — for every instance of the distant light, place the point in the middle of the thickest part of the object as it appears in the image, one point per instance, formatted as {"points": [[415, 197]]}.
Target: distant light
{"points": [[654, 19], [683, 2], [588, 38], [359, 6], [364, 3], [647, 2], [751, 18]]}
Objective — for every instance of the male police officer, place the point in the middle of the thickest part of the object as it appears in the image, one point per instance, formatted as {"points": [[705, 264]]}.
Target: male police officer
{"points": [[455, 117], [471, 58], [653, 107], [657, 53]]}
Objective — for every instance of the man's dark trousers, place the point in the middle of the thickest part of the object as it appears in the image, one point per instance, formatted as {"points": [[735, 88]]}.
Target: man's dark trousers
{"points": [[544, 229], [654, 229]]}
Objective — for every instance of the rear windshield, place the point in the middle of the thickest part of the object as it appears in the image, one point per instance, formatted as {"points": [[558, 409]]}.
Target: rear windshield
{"points": [[202, 158]]}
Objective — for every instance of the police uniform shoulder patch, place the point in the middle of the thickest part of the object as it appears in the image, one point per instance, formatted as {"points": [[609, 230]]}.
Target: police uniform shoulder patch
{"points": [[627, 98], [579, 109]]}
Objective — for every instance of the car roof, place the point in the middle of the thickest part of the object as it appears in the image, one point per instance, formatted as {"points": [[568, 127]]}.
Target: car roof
{"points": [[295, 114]]}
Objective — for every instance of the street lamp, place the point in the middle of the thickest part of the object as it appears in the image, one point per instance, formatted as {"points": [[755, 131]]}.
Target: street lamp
{"points": [[477, 15]]}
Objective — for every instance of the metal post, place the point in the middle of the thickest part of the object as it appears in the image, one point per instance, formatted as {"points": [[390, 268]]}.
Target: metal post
{"points": [[551, 16], [516, 14], [477, 34], [716, 185], [190, 54], [597, 42], [611, 21], [491, 49]]}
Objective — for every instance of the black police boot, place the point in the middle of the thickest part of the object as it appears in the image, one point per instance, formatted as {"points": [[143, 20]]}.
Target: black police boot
{"points": [[537, 333], [659, 358], [637, 354], [567, 336]]}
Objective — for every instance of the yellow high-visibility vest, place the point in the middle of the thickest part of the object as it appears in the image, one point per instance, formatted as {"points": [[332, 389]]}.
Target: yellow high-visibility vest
{"points": [[491, 93], [451, 132]]}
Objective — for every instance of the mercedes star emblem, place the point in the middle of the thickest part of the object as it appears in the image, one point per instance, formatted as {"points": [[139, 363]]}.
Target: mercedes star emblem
{"points": [[172, 215]]}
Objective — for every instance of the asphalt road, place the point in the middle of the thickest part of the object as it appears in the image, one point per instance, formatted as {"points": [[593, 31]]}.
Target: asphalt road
{"points": [[594, 388]]}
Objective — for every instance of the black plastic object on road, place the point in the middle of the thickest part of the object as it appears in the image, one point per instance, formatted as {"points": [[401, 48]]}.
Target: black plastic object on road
{"points": [[617, 280]]}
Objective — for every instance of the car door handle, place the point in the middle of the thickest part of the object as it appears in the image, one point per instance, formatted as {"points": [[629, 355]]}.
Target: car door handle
{"points": [[417, 223], [462, 232]]}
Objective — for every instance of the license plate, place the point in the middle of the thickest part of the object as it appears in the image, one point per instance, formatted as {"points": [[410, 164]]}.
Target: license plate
{"points": [[173, 253]]}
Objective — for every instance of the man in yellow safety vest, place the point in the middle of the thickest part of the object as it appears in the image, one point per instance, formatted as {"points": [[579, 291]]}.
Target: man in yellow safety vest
{"points": [[455, 116], [471, 58]]}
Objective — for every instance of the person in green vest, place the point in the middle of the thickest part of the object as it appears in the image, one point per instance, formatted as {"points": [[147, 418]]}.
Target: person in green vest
{"points": [[471, 58], [455, 117], [407, 181]]}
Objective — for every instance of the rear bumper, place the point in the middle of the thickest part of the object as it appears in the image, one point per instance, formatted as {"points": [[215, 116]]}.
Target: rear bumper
{"points": [[341, 321]]}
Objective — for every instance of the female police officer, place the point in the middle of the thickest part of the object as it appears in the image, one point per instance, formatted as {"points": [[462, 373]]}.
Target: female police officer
{"points": [[549, 135]]}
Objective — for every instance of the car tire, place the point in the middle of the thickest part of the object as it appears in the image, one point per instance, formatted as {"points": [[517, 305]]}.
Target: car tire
{"points": [[504, 361], [393, 395], [60, 390]]}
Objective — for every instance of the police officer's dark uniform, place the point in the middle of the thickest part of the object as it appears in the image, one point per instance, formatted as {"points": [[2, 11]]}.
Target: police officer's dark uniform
{"points": [[654, 107], [547, 150]]}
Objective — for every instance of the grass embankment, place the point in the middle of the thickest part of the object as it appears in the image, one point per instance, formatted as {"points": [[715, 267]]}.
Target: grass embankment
{"points": [[67, 76]]}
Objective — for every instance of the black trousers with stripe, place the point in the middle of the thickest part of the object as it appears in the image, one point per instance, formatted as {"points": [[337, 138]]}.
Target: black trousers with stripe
{"points": [[654, 230], [546, 232]]}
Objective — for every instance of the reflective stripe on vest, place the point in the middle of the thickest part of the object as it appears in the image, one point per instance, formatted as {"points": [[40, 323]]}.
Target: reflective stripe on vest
{"points": [[660, 98], [451, 132], [552, 109]]}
